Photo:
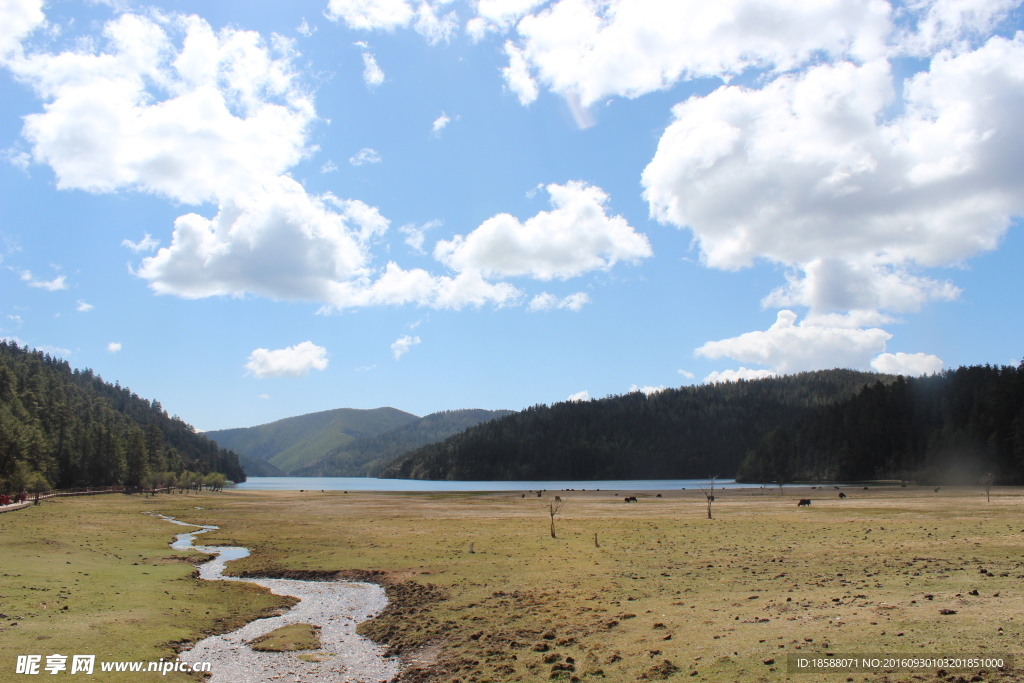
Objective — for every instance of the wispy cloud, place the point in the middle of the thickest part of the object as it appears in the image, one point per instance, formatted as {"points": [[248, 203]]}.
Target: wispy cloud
{"points": [[402, 345], [84, 307], [147, 243], [366, 155], [53, 285]]}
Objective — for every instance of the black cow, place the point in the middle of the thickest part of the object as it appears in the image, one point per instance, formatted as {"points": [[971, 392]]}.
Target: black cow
{"points": [[631, 499], [803, 501], [842, 495]]}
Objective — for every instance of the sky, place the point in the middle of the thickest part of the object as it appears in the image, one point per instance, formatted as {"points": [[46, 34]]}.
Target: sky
{"points": [[253, 210]]}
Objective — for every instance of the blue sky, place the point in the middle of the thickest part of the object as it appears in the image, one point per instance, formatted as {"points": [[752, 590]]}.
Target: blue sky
{"points": [[256, 210]]}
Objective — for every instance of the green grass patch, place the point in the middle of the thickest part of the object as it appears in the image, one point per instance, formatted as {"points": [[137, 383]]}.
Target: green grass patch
{"points": [[290, 638]]}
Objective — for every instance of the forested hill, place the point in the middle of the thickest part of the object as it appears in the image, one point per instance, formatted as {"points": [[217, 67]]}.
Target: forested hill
{"points": [[293, 443], [954, 427], [367, 456], [688, 432], [67, 428]]}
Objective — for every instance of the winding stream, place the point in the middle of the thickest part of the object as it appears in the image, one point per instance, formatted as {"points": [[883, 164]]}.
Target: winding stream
{"points": [[337, 607]]}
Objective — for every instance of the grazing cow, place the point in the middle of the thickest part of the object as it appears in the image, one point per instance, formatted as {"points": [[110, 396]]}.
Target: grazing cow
{"points": [[658, 496], [631, 499], [558, 499], [803, 502], [842, 495]]}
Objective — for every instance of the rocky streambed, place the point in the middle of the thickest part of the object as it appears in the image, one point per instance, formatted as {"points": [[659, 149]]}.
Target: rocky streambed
{"points": [[336, 607]]}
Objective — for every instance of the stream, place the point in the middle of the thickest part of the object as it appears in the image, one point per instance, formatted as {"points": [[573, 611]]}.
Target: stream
{"points": [[337, 607]]}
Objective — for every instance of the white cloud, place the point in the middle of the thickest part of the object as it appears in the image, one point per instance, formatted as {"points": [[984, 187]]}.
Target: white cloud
{"points": [[328, 167], [16, 319], [18, 159], [194, 123], [292, 361], [578, 396], [737, 375], [276, 241], [388, 15], [18, 18], [84, 307], [439, 123], [433, 27], [787, 347], [633, 47], [938, 24], [416, 235], [574, 238], [498, 16], [402, 345], [147, 243], [685, 373], [910, 364], [546, 302], [852, 200], [114, 347], [517, 75], [365, 368], [372, 73], [646, 390], [53, 285], [369, 15], [265, 397], [366, 155], [305, 29]]}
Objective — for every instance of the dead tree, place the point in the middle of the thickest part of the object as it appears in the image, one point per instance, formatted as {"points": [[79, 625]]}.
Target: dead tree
{"points": [[709, 492], [987, 480], [553, 509]]}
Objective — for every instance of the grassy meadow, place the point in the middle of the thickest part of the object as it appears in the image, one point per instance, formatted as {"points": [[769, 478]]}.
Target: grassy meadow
{"points": [[664, 593]]}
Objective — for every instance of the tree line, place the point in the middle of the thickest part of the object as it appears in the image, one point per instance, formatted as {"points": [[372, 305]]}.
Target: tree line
{"points": [[683, 433], [954, 427], [64, 428]]}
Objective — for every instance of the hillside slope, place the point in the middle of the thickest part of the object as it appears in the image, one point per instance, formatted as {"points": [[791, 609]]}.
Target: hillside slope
{"points": [[296, 442], [688, 432], [367, 456], [67, 428]]}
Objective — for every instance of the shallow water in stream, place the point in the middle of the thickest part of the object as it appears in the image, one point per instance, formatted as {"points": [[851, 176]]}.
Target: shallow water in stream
{"points": [[337, 607]]}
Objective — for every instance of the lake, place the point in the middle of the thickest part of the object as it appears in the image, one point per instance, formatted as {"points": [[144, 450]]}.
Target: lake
{"points": [[370, 484]]}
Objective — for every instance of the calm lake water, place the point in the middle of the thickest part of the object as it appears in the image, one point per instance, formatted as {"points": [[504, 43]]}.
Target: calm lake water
{"points": [[369, 484]]}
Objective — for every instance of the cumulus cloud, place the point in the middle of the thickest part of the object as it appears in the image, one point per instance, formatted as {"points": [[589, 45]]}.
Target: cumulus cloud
{"points": [[276, 241], [788, 347], [910, 364], [576, 237], [402, 345], [578, 396], [373, 75], [632, 47], [736, 375], [53, 285], [546, 302], [193, 123], [18, 18], [517, 75], [292, 361], [366, 155], [850, 199], [113, 347], [83, 307], [147, 243]]}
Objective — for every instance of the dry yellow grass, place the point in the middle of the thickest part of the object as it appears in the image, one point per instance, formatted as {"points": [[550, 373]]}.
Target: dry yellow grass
{"points": [[714, 598]]}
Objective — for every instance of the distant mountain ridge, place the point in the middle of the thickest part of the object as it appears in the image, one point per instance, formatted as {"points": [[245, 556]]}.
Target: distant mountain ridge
{"points": [[367, 456], [296, 442]]}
